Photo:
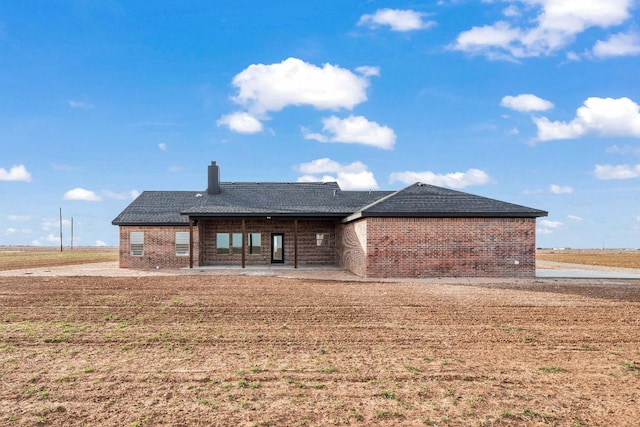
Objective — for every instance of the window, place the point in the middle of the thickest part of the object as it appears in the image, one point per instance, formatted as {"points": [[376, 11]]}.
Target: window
{"points": [[182, 243], [237, 243], [222, 244], [229, 243], [255, 244], [322, 239], [136, 241]]}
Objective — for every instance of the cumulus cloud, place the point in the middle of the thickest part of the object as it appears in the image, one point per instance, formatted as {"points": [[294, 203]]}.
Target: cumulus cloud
{"points": [[16, 173], [526, 102], [606, 172], [100, 243], [81, 194], [162, 146], [353, 176], [241, 122], [622, 44], [606, 117], [355, 130], [560, 189], [453, 180], [548, 227], [263, 88], [267, 88], [397, 20], [533, 28]]}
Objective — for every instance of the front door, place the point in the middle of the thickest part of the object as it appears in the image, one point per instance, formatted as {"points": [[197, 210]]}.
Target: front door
{"points": [[277, 248]]}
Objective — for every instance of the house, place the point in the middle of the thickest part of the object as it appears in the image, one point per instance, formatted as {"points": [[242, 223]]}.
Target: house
{"points": [[419, 231]]}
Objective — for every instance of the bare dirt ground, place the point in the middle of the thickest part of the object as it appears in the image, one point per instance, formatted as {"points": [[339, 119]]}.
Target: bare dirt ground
{"points": [[220, 348], [616, 258]]}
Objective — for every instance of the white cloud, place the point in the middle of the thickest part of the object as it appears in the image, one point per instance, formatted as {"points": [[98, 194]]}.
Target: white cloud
{"points": [[575, 218], [18, 218], [162, 146], [397, 20], [541, 27], [81, 194], [100, 243], [354, 176], [80, 104], [355, 130], [560, 189], [548, 227], [616, 171], [263, 88], [622, 44], [626, 149], [453, 180], [368, 70], [526, 102], [127, 195], [607, 117], [53, 238], [241, 122], [16, 173], [175, 169]]}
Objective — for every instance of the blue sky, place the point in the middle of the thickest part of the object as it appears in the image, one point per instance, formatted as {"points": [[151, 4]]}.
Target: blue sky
{"points": [[534, 102]]}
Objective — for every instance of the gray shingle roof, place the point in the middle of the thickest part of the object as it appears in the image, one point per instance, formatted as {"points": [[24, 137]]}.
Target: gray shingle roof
{"points": [[311, 200], [424, 200]]}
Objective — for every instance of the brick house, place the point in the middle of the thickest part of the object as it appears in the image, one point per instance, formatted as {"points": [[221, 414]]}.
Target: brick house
{"points": [[419, 231]]}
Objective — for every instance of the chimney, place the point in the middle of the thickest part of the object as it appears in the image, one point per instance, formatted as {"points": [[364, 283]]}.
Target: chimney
{"points": [[214, 179]]}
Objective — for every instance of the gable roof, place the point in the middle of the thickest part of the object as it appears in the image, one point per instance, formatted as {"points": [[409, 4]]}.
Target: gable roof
{"points": [[314, 199]]}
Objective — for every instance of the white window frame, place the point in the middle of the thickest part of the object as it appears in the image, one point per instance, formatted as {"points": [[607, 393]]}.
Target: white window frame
{"points": [[182, 243], [136, 243]]}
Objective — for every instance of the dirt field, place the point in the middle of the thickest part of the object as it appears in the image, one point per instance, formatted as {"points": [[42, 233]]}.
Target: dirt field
{"points": [[609, 258], [251, 350], [38, 256]]}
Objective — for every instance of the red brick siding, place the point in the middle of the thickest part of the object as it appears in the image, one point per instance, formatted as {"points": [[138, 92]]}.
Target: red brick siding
{"points": [[308, 252], [451, 247], [159, 248]]}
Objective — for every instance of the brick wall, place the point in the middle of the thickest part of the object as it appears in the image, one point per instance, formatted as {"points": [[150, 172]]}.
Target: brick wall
{"points": [[159, 248], [449, 247], [308, 252]]}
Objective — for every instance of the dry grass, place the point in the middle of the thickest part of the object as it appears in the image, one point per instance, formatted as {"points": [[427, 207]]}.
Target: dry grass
{"points": [[607, 258], [32, 257]]}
